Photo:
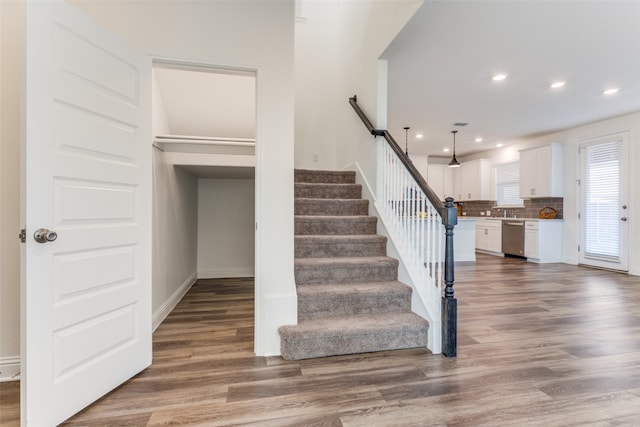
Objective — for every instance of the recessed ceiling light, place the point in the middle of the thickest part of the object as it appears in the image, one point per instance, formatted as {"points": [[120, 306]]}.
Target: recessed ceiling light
{"points": [[557, 85], [478, 139], [419, 135], [446, 150], [499, 77], [499, 145], [611, 91]]}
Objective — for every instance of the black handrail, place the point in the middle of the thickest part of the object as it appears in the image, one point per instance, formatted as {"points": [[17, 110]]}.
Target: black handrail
{"points": [[408, 164], [449, 214]]}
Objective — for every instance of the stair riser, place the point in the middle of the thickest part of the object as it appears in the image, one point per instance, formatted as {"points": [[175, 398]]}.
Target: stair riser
{"points": [[345, 274], [334, 177], [329, 226], [381, 340], [312, 308], [331, 207], [328, 191]]}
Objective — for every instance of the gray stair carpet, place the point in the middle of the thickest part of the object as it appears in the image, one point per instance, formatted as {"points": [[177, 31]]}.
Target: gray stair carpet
{"points": [[349, 296]]}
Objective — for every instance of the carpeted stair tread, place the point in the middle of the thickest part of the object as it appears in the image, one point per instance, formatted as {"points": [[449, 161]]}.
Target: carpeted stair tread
{"points": [[349, 288], [331, 207], [331, 262], [345, 269], [327, 191], [352, 334], [313, 246], [345, 299], [335, 225], [324, 176]]}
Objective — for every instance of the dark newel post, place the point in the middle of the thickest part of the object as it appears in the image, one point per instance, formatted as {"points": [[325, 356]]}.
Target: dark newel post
{"points": [[449, 303]]}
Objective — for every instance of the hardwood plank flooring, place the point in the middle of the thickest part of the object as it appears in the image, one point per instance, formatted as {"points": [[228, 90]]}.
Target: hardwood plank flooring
{"points": [[539, 345]]}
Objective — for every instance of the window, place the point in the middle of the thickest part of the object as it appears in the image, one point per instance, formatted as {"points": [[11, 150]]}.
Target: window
{"points": [[508, 184], [601, 200]]}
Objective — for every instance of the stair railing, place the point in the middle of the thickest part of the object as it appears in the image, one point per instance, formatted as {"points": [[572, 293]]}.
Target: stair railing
{"points": [[422, 222]]}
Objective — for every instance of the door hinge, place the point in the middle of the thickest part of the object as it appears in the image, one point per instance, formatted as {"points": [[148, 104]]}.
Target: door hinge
{"points": [[578, 248], [23, 235]]}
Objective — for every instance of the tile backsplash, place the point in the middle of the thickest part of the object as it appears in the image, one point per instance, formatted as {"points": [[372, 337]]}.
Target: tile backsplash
{"points": [[531, 208]]}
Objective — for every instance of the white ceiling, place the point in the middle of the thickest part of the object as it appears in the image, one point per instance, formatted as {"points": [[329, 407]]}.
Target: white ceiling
{"points": [[441, 65]]}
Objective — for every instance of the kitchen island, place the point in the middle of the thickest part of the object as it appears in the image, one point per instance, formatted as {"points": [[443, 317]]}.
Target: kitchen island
{"points": [[464, 239]]}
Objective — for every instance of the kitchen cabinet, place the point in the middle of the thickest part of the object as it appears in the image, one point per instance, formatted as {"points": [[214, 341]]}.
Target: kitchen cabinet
{"points": [[543, 240], [464, 238], [489, 236], [531, 239], [475, 180], [541, 171], [457, 183], [440, 179]]}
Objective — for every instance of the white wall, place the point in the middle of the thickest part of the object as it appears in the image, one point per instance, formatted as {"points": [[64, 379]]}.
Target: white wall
{"points": [[10, 63], [250, 34], [337, 49], [175, 234], [226, 218], [159, 121], [366, 29], [316, 77], [571, 138]]}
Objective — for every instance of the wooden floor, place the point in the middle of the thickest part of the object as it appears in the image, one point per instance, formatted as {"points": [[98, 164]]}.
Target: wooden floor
{"points": [[539, 345]]}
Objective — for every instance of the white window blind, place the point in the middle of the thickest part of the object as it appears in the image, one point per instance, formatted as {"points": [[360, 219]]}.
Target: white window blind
{"points": [[601, 201], [508, 184]]}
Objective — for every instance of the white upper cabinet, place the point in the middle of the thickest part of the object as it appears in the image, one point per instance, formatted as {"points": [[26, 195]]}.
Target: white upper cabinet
{"points": [[471, 181], [475, 181], [440, 179], [457, 183], [541, 171]]}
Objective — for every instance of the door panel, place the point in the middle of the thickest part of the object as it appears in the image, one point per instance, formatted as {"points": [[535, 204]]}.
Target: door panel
{"points": [[87, 175], [604, 226]]}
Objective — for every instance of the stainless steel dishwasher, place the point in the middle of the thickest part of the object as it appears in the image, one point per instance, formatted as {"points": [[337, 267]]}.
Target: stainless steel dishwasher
{"points": [[513, 237]]}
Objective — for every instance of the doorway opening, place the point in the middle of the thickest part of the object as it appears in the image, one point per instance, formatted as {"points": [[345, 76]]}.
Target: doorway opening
{"points": [[204, 126]]}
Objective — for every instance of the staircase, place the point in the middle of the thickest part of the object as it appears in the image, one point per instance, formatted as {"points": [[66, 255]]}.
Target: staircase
{"points": [[349, 298]]}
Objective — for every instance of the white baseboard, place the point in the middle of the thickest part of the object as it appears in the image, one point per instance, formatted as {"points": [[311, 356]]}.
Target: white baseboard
{"points": [[9, 368], [570, 260], [220, 273], [166, 308]]}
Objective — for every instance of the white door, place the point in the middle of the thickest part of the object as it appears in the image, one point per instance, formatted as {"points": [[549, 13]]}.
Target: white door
{"points": [[86, 296], [604, 210]]}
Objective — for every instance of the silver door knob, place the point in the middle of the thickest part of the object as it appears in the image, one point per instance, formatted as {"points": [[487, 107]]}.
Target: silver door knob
{"points": [[42, 235], [624, 218]]}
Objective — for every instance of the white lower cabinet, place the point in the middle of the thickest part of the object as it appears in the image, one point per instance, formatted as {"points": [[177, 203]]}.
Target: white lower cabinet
{"points": [[531, 239], [543, 240], [489, 236]]}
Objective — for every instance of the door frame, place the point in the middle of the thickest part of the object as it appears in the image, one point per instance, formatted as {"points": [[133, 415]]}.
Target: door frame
{"points": [[189, 64], [625, 137]]}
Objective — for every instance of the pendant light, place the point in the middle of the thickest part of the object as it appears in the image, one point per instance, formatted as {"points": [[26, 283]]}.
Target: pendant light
{"points": [[454, 163], [406, 140]]}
